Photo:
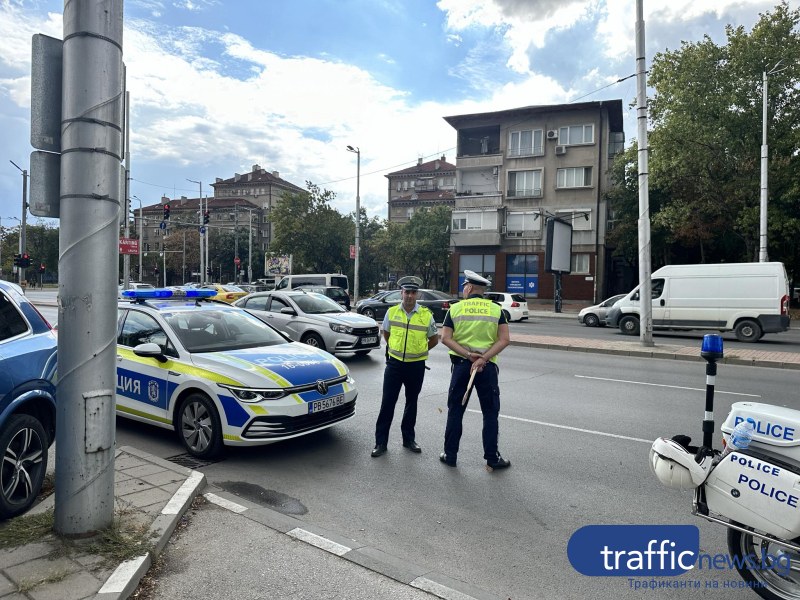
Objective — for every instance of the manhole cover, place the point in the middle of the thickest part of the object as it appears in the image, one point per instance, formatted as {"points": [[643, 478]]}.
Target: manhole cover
{"points": [[192, 462]]}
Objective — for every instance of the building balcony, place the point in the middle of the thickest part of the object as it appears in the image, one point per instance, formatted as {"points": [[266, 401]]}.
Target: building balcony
{"points": [[475, 237], [478, 162], [470, 199]]}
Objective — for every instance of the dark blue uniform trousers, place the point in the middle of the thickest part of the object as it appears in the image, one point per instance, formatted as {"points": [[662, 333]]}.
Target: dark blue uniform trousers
{"points": [[396, 375], [489, 396]]}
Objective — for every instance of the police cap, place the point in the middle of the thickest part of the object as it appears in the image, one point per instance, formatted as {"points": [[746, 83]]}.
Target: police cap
{"points": [[409, 282], [475, 279]]}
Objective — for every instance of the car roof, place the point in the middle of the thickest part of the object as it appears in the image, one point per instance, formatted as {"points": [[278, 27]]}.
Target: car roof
{"points": [[175, 304]]}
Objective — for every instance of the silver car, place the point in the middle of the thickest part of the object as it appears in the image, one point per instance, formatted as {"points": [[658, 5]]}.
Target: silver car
{"points": [[314, 319], [595, 316]]}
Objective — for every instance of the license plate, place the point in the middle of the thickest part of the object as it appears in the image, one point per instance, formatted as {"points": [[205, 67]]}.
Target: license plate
{"points": [[369, 340], [325, 403]]}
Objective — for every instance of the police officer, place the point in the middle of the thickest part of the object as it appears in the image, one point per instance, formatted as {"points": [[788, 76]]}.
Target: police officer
{"points": [[475, 330], [409, 331]]}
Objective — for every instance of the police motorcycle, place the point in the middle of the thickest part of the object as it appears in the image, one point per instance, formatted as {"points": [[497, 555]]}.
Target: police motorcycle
{"points": [[754, 492]]}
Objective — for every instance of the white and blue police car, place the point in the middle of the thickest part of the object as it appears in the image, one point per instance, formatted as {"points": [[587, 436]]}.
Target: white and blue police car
{"points": [[219, 376]]}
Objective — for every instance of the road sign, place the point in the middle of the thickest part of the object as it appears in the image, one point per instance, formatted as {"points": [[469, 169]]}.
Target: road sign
{"points": [[128, 246], [392, 277], [352, 251], [203, 230], [237, 261], [163, 225]]}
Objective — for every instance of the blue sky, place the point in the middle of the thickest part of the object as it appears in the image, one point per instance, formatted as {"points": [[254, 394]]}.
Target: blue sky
{"points": [[220, 85]]}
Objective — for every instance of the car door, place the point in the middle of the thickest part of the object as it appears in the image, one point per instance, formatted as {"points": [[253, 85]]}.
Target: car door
{"points": [[661, 308], [388, 301], [279, 320], [143, 383]]}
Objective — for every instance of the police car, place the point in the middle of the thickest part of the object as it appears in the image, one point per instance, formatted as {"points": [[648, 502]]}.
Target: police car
{"points": [[219, 376]]}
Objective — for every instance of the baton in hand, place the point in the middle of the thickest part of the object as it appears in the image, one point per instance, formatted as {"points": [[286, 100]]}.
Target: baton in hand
{"points": [[468, 393]]}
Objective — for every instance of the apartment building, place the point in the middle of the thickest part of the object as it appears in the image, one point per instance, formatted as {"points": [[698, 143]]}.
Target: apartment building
{"points": [[424, 185], [517, 168]]}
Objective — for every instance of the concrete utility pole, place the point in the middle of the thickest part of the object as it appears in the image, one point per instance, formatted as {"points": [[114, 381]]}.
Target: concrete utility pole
{"points": [[22, 228], [762, 238], [201, 236], [645, 301], [91, 157], [358, 221]]}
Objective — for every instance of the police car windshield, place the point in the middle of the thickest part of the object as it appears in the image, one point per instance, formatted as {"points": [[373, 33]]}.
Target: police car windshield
{"points": [[317, 304], [220, 330]]}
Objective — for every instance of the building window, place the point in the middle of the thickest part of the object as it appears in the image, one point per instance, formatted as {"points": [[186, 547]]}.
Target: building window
{"points": [[405, 185], [580, 263], [483, 264], [526, 143], [525, 183], [616, 143], [574, 177], [522, 224], [472, 220], [580, 219], [399, 186], [576, 134]]}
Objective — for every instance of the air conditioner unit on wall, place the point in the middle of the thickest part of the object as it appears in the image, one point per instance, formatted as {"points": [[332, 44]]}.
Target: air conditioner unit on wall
{"points": [[552, 134], [561, 150]]}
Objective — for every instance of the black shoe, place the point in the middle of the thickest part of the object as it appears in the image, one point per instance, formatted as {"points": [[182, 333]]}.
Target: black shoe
{"points": [[450, 462], [413, 446], [378, 450], [498, 463]]}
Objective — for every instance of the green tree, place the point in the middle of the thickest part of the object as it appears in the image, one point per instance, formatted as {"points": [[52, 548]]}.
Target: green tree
{"points": [[316, 235], [706, 128], [427, 239]]}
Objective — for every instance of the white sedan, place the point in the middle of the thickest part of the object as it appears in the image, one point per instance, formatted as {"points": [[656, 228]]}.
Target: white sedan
{"points": [[514, 306]]}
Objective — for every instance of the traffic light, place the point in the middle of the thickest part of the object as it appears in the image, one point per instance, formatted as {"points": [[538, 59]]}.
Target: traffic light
{"points": [[166, 212], [41, 268], [25, 261], [17, 259], [155, 271], [208, 271], [206, 217]]}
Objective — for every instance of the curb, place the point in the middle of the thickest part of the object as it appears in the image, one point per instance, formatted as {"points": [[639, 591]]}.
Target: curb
{"points": [[368, 557], [126, 577]]}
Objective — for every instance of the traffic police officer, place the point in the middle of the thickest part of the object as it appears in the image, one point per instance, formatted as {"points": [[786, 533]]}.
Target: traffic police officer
{"points": [[475, 330], [409, 331]]}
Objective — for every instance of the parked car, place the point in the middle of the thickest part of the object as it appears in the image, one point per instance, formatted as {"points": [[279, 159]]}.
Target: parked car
{"points": [[514, 306], [595, 316], [28, 348], [336, 294], [218, 376], [377, 296], [314, 319], [225, 293], [135, 285], [437, 301]]}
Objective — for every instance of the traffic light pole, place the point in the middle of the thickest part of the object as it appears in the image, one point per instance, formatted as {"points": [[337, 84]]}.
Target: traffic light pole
{"points": [[22, 240]]}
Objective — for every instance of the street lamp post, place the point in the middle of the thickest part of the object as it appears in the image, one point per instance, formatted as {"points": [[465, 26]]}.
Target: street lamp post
{"points": [[202, 236], [762, 238], [141, 234], [22, 243], [357, 151]]}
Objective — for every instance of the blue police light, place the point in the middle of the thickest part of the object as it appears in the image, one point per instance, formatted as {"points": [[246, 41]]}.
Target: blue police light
{"points": [[167, 293], [712, 346]]}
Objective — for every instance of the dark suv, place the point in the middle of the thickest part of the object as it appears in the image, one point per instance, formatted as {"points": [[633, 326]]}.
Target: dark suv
{"points": [[334, 293], [27, 399]]}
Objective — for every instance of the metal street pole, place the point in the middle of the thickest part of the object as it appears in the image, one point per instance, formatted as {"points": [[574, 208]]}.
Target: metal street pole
{"points": [[250, 246], [201, 236], [235, 242], [126, 259], [645, 300], [22, 232], [141, 233], [358, 220], [91, 120], [762, 237]]}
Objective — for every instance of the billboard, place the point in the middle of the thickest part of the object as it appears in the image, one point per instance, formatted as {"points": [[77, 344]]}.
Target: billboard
{"points": [[558, 251]]}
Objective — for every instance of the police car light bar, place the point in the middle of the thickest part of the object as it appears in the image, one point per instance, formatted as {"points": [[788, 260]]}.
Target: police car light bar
{"points": [[168, 293]]}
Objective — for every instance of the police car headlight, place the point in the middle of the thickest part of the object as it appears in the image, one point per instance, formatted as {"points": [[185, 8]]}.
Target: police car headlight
{"points": [[341, 328], [253, 395]]}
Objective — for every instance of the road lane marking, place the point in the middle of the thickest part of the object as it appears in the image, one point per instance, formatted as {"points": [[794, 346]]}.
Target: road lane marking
{"points": [[676, 387], [578, 429]]}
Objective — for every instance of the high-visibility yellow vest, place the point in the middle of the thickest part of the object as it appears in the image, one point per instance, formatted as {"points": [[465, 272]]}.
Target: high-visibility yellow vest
{"points": [[408, 338], [475, 323]]}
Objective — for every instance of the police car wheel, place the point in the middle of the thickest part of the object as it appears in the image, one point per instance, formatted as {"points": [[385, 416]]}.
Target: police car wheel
{"points": [[313, 339], [24, 462], [199, 426]]}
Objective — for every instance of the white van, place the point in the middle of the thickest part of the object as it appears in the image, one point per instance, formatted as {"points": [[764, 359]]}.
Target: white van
{"points": [[750, 299], [290, 282]]}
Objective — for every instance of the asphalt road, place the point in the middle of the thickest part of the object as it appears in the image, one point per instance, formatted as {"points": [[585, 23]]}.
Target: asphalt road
{"points": [[577, 428]]}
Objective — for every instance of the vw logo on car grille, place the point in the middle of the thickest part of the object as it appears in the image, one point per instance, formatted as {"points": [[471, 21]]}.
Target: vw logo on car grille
{"points": [[322, 386]]}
